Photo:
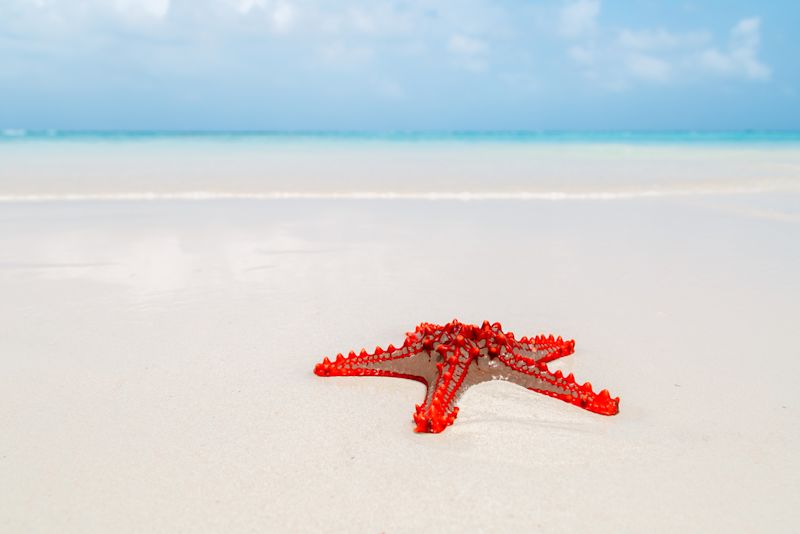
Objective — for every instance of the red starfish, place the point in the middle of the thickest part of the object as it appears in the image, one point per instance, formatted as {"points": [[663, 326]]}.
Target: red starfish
{"points": [[449, 359]]}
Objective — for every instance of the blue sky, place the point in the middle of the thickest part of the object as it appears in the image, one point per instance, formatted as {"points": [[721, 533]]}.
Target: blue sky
{"points": [[399, 65]]}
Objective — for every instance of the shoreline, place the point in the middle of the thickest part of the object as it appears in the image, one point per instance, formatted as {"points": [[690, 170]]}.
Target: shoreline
{"points": [[389, 195], [88, 170]]}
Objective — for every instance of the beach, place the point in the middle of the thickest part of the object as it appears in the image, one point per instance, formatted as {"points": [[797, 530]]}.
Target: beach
{"points": [[161, 316]]}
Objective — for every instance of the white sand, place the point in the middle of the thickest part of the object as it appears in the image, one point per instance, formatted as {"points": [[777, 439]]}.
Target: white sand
{"points": [[156, 365]]}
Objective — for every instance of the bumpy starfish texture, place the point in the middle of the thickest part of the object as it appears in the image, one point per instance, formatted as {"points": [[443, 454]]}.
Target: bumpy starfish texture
{"points": [[449, 359]]}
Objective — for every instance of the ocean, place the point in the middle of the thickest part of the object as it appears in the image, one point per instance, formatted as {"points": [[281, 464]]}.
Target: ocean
{"points": [[632, 137]]}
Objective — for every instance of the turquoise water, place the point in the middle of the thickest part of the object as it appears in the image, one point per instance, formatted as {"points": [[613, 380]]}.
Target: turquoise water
{"points": [[555, 137]]}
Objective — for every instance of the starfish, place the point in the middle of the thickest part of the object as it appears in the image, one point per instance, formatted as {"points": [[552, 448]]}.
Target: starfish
{"points": [[449, 359]]}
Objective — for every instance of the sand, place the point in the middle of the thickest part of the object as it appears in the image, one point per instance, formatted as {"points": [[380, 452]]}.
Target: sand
{"points": [[157, 365]]}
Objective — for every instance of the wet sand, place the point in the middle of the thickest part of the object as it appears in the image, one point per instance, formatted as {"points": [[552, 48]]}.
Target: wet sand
{"points": [[157, 365]]}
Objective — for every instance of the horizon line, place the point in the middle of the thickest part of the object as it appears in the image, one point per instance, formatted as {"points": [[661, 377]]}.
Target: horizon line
{"points": [[724, 136]]}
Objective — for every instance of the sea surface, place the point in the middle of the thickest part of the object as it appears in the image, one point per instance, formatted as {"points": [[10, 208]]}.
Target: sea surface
{"points": [[627, 137]]}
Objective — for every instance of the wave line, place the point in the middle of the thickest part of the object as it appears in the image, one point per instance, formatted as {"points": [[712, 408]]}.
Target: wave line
{"points": [[382, 195]]}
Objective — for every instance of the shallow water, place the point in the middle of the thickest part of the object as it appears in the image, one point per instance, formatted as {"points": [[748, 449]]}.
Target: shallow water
{"points": [[525, 166]]}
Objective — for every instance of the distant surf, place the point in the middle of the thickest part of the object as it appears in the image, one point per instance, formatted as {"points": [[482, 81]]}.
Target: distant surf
{"points": [[517, 136], [381, 195]]}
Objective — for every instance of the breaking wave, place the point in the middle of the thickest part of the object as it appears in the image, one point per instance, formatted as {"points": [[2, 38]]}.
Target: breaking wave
{"points": [[382, 195]]}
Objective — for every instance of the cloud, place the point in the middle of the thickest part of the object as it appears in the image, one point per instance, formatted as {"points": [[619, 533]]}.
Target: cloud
{"points": [[461, 44], [581, 54], [661, 39], [280, 14], [379, 20], [157, 9], [472, 52], [654, 55], [662, 56], [198, 49], [579, 18], [245, 6], [339, 53], [282, 17], [649, 68], [741, 58]]}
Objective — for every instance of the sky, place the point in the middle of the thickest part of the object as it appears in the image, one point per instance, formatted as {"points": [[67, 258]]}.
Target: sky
{"points": [[399, 65]]}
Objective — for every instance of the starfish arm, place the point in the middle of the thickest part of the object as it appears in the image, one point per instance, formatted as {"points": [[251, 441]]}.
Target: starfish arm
{"points": [[545, 348], [455, 373], [535, 375], [425, 415], [407, 361]]}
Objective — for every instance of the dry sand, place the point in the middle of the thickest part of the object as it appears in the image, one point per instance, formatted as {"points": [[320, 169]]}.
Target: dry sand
{"points": [[157, 365]]}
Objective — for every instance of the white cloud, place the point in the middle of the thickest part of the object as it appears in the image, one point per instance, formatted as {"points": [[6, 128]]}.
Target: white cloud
{"points": [[581, 54], [375, 19], [157, 9], [471, 52], [245, 6], [579, 18], [661, 39], [660, 55], [395, 38], [741, 58], [282, 17], [363, 21], [461, 44], [748, 31], [338, 53], [649, 68]]}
